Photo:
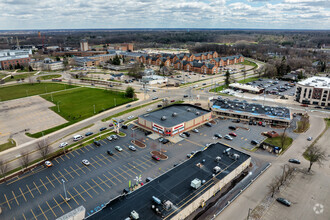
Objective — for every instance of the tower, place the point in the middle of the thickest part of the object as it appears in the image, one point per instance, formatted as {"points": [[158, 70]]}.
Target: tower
{"points": [[83, 45]]}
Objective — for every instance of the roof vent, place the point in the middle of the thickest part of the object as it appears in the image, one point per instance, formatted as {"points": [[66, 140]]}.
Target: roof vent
{"points": [[188, 110], [163, 118], [174, 114], [198, 113]]}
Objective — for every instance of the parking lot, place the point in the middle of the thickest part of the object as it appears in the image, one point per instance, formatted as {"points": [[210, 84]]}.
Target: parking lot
{"points": [[275, 87]]}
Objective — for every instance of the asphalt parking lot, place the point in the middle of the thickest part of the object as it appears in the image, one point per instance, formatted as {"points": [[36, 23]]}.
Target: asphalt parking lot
{"points": [[269, 86]]}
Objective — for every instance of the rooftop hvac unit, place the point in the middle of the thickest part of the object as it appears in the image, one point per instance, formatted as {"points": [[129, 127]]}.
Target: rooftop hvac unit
{"points": [[196, 183], [216, 169], [156, 200], [227, 150], [235, 156], [168, 205], [198, 113], [163, 118], [217, 159], [188, 110], [134, 215], [174, 114]]}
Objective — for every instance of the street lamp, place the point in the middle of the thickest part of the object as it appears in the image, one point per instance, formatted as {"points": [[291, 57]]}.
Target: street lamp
{"points": [[94, 108], [58, 106], [66, 197]]}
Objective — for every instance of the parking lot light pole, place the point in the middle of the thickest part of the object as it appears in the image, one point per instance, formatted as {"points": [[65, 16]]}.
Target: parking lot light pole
{"points": [[66, 197], [94, 108], [58, 106]]}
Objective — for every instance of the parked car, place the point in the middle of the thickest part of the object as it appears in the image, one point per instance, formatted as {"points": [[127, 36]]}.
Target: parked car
{"points": [[48, 163], [254, 123], [109, 138], [232, 127], [147, 133], [127, 106], [124, 126], [172, 100], [88, 133], [233, 134], [186, 133], [165, 141], [160, 139], [130, 117], [118, 148], [85, 162], [284, 201], [114, 137], [310, 138], [228, 137], [263, 124], [149, 109], [154, 98], [63, 144], [121, 120], [97, 143], [103, 128], [195, 130], [250, 122], [132, 148], [237, 121], [182, 135], [159, 106], [208, 124], [254, 142], [111, 125], [110, 152], [185, 96], [296, 161], [155, 157], [218, 136]]}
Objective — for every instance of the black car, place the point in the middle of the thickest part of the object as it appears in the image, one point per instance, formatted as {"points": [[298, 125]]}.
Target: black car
{"points": [[296, 161], [147, 133], [217, 135], [124, 127], [284, 201], [165, 141], [121, 120], [103, 128], [88, 133], [185, 96], [97, 143], [254, 142], [127, 106], [186, 133], [250, 122], [232, 127], [208, 124], [159, 106], [109, 152], [254, 123]]}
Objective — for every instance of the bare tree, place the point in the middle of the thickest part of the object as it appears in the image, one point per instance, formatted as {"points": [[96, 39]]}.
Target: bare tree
{"points": [[314, 154], [304, 122], [3, 169], [43, 148], [272, 187], [244, 74], [25, 159], [283, 137]]}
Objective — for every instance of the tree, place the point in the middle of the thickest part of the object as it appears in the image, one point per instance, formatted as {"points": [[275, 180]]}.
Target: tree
{"points": [[135, 71], [58, 59], [227, 79], [314, 154], [10, 66], [116, 60], [283, 137], [272, 187], [129, 92], [25, 159], [43, 148], [30, 69], [244, 75], [3, 169]]}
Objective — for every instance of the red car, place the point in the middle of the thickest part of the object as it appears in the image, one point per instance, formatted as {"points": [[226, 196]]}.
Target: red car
{"points": [[233, 134], [155, 157], [173, 100], [259, 123], [110, 125]]}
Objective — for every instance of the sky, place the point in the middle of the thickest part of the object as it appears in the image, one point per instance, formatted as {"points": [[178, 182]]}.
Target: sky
{"points": [[85, 14]]}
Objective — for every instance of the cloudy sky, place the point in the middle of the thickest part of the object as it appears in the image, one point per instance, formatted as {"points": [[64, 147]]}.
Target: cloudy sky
{"points": [[72, 14]]}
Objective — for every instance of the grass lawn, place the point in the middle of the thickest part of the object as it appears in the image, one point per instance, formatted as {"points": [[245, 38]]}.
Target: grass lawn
{"points": [[23, 90], [327, 120], [277, 142], [11, 143], [24, 76], [49, 77], [249, 63]]}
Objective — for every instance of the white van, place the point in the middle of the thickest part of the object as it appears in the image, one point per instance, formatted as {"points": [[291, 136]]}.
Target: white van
{"points": [[77, 137]]}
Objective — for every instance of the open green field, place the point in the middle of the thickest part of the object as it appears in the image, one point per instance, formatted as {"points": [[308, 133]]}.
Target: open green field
{"points": [[49, 77], [249, 63], [277, 142], [24, 90], [78, 104]]}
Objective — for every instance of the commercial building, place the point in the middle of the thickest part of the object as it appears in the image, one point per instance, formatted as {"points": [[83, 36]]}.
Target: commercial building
{"points": [[314, 90], [247, 88], [47, 64], [84, 61], [154, 79], [172, 120], [251, 111], [84, 45], [182, 190], [9, 59]]}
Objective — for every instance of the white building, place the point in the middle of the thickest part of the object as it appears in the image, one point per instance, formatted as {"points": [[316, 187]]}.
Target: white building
{"points": [[154, 79], [84, 45], [314, 91], [47, 64]]}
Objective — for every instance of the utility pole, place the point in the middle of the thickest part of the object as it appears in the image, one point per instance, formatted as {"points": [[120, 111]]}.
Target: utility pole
{"points": [[94, 108]]}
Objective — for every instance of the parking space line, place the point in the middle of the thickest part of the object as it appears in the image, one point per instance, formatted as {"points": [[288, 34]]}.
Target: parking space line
{"points": [[91, 187], [140, 165], [58, 204], [43, 212], [65, 201], [76, 152], [50, 181], [73, 198], [30, 191], [85, 190], [33, 214], [110, 180], [98, 184], [91, 148], [115, 177], [140, 161], [96, 162], [43, 184], [7, 201], [22, 193], [74, 171], [81, 149], [106, 158], [61, 158], [104, 182], [85, 148], [91, 165], [57, 179], [135, 167], [71, 154], [37, 187], [51, 209], [24, 216], [63, 176], [80, 169], [101, 160], [130, 169], [67, 156], [69, 173], [56, 160], [120, 174], [78, 193]]}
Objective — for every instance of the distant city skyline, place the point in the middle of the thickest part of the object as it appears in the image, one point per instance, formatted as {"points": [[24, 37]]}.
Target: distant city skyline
{"points": [[80, 14]]}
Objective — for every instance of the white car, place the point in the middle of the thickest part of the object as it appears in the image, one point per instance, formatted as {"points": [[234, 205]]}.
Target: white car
{"points": [[85, 162], [63, 144], [195, 130], [309, 138], [109, 138], [132, 148], [130, 117], [149, 110], [228, 137], [118, 148]]}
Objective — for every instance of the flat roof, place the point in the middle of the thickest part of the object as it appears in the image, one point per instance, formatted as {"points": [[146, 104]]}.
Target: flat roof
{"points": [[246, 87], [317, 82], [184, 112], [251, 108], [174, 186]]}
